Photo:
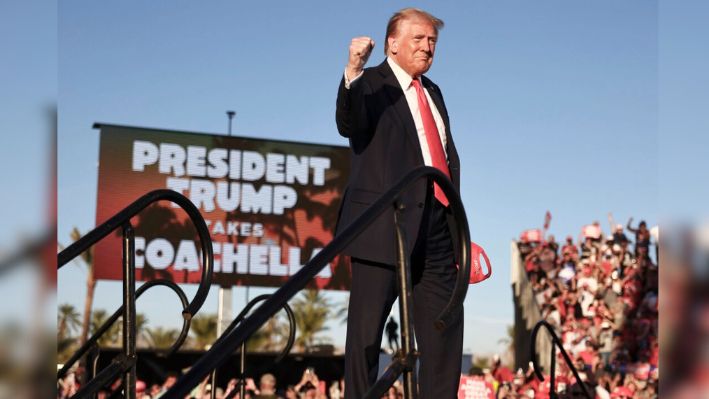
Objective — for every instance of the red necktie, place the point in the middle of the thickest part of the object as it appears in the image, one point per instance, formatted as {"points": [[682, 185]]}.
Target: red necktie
{"points": [[438, 157]]}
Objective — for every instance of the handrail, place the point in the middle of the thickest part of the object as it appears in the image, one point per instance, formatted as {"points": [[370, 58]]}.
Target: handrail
{"points": [[404, 361], [557, 342], [119, 365], [221, 350], [124, 216], [79, 353], [241, 385], [242, 315], [126, 363]]}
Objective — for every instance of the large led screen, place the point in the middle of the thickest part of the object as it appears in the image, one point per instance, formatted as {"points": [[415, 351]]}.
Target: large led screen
{"points": [[270, 205]]}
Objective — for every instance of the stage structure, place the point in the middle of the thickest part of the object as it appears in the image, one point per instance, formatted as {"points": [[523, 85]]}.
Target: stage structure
{"points": [[270, 205]]}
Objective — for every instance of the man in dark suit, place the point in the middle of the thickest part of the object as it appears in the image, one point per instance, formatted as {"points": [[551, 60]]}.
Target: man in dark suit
{"points": [[396, 121]]}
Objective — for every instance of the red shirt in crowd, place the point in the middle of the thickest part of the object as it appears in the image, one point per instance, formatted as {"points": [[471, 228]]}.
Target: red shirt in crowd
{"points": [[502, 374]]}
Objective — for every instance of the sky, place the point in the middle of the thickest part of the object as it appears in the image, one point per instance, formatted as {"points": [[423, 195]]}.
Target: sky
{"points": [[553, 106], [28, 78]]}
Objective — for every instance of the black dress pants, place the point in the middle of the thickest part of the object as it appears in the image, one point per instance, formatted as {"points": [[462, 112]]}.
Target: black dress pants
{"points": [[373, 292]]}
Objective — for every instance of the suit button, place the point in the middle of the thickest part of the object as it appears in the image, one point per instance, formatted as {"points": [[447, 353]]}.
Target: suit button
{"points": [[420, 204]]}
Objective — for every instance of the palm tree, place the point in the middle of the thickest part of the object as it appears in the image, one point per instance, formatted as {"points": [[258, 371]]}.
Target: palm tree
{"points": [[204, 330], [271, 336], [341, 312], [311, 312], [159, 338], [88, 259], [259, 340], [141, 321], [110, 337], [67, 321]]}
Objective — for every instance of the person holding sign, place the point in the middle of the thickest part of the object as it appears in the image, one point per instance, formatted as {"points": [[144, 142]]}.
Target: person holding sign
{"points": [[396, 120]]}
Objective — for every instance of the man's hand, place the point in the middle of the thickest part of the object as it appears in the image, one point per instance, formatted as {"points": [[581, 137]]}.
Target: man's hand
{"points": [[360, 50]]}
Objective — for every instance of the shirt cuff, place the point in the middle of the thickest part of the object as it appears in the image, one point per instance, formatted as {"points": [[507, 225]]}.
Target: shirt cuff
{"points": [[348, 82]]}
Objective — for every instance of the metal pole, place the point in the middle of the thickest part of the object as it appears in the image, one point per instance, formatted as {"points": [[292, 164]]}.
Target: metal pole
{"points": [[552, 377], [129, 378], [224, 306], [92, 364], [242, 368], [224, 309], [213, 381], [241, 382], [408, 351], [230, 115], [224, 314]]}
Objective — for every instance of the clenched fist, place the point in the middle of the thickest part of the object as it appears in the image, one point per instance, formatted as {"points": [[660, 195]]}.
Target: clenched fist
{"points": [[360, 49]]}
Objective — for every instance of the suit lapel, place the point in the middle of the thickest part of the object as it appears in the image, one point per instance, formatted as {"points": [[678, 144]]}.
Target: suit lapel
{"points": [[396, 97], [437, 99]]}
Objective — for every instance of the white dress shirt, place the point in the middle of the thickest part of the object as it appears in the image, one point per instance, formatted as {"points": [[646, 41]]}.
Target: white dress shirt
{"points": [[412, 99]]}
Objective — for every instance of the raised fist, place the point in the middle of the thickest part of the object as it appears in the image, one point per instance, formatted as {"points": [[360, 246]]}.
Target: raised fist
{"points": [[360, 50]]}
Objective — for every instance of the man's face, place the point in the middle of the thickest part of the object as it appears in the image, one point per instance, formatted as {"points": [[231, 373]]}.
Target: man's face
{"points": [[413, 46]]}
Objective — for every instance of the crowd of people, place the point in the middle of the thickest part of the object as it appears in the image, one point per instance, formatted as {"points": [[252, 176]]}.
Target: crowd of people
{"points": [[310, 386], [601, 296]]}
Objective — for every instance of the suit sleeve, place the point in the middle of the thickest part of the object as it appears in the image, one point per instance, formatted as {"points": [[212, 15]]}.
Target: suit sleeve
{"points": [[351, 113]]}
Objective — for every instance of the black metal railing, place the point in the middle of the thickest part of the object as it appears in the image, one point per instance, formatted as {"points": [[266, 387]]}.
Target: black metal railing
{"points": [[404, 362], [222, 349], [125, 363], [91, 343], [552, 372], [241, 383]]}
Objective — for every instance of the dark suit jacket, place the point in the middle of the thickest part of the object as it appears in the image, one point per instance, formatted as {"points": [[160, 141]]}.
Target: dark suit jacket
{"points": [[376, 118]]}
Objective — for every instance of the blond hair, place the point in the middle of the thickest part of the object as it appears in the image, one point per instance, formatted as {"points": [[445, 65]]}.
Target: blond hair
{"points": [[407, 14]]}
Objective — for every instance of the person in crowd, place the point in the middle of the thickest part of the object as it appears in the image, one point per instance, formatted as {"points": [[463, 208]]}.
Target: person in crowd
{"points": [[393, 392], [154, 390], [267, 387], [309, 385], [392, 331], [570, 248], [500, 372], [291, 393], [231, 385], [141, 390], [170, 380], [552, 244], [334, 391], [619, 236], [642, 238]]}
